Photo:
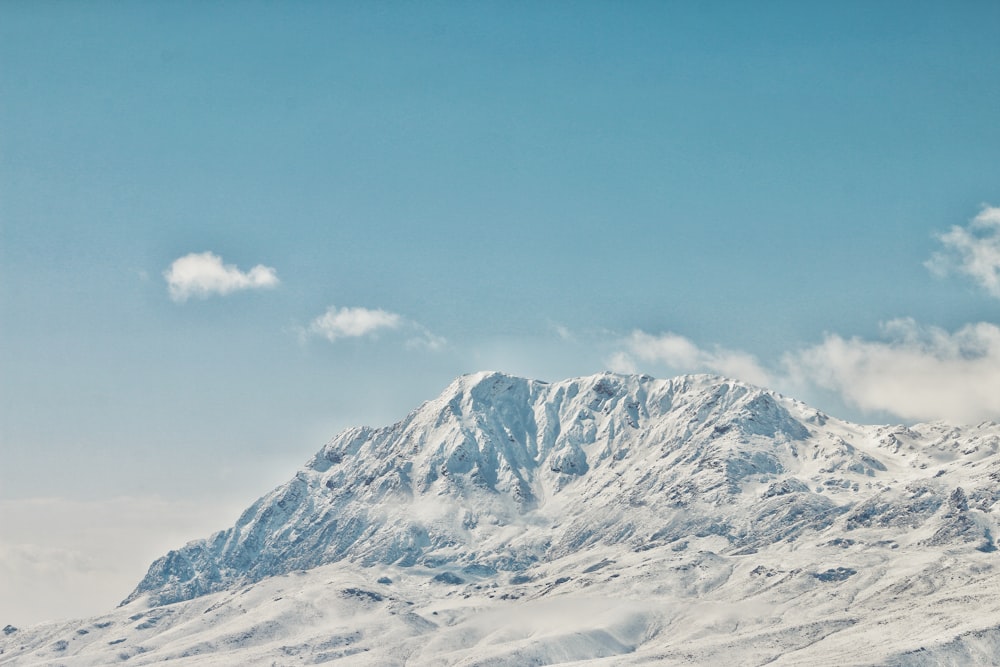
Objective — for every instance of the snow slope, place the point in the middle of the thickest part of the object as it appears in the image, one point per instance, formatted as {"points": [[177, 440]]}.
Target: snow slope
{"points": [[613, 519]]}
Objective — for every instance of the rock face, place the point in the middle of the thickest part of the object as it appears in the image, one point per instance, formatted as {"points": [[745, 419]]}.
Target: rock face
{"points": [[501, 473]]}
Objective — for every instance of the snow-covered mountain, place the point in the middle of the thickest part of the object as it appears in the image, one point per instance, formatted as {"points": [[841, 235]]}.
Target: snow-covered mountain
{"points": [[621, 519]]}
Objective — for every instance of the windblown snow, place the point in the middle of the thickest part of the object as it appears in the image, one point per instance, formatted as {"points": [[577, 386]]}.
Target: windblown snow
{"points": [[604, 520]]}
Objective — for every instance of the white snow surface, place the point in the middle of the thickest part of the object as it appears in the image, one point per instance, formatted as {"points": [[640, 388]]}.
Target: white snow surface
{"points": [[604, 520]]}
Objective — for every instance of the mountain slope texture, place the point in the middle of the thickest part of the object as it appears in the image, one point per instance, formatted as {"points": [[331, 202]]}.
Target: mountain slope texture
{"points": [[604, 520]]}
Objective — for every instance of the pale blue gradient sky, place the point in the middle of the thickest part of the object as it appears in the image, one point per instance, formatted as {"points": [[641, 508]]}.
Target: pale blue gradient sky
{"points": [[529, 181]]}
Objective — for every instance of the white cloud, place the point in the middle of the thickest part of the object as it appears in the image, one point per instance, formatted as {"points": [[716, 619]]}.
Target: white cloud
{"points": [[973, 250], [680, 354], [203, 274], [621, 362], [337, 323], [352, 322], [914, 372], [921, 373]]}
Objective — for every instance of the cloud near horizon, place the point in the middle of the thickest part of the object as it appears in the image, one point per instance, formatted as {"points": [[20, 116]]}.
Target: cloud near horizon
{"points": [[973, 250], [915, 372], [203, 274], [681, 354]]}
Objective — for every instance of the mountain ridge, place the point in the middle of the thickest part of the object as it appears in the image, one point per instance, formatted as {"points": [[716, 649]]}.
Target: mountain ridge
{"points": [[499, 448], [607, 520]]}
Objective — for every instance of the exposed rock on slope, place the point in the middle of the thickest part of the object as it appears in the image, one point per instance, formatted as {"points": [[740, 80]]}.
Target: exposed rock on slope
{"points": [[499, 473]]}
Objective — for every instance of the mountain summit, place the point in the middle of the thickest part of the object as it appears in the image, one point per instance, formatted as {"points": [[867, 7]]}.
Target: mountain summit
{"points": [[631, 519]]}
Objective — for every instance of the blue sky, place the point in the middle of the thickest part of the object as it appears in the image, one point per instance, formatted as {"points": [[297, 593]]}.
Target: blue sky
{"points": [[797, 195]]}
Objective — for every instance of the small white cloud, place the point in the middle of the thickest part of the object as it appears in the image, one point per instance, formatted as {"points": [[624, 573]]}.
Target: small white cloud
{"points": [[203, 274], [682, 355], [352, 322], [337, 323], [973, 250], [921, 373]]}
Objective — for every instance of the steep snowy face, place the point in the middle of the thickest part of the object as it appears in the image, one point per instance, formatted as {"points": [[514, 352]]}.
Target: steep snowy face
{"points": [[501, 473]]}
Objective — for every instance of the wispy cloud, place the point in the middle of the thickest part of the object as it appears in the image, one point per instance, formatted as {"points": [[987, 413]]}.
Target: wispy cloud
{"points": [[915, 372], [680, 354], [563, 332], [973, 250], [337, 323], [425, 339], [203, 274]]}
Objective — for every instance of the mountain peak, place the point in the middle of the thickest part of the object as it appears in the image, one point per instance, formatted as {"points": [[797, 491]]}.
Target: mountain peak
{"points": [[492, 448]]}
